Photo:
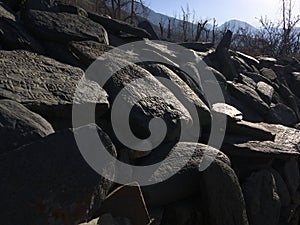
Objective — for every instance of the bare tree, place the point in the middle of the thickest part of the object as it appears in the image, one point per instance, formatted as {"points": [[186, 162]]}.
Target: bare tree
{"points": [[200, 28]]}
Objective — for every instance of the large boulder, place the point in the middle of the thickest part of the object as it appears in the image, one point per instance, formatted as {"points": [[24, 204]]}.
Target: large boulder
{"points": [[140, 98], [20, 126], [49, 182], [262, 200], [88, 51], [47, 87], [13, 36], [248, 95], [63, 27], [215, 186], [201, 117], [116, 26]]}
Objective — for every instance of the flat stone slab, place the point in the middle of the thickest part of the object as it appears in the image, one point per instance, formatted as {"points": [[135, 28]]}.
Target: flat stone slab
{"points": [[64, 27], [46, 86], [20, 126]]}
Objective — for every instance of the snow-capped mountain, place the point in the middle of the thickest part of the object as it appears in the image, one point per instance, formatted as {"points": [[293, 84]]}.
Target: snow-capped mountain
{"points": [[235, 25]]}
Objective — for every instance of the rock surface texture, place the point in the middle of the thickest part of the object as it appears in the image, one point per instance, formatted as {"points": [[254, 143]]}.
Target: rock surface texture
{"points": [[149, 132]]}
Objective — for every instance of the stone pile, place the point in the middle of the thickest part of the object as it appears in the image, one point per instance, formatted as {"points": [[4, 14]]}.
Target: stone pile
{"points": [[48, 50]]}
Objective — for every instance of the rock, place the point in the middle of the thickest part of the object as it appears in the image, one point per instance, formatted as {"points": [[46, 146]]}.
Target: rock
{"points": [[291, 176], [262, 200], [289, 137], [281, 189], [20, 126], [249, 96], [216, 184], [13, 4], [249, 114], [62, 53], [289, 99], [259, 148], [265, 91], [201, 117], [248, 130], [248, 59], [126, 202], [258, 78], [227, 110], [63, 27], [146, 25], [116, 26], [144, 97], [47, 87], [247, 81], [225, 41], [14, 37], [183, 213], [7, 12], [68, 9], [295, 83], [195, 86], [92, 222], [88, 51], [49, 182], [281, 114], [267, 61], [221, 58], [198, 46], [39, 4], [268, 73]]}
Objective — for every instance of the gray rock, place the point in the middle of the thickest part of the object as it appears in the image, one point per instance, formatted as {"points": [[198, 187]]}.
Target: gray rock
{"points": [[146, 25], [13, 36], [146, 97], [248, 59], [268, 73], [259, 148], [49, 182], [201, 117], [295, 83], [262, 200], [249, 96], [291, 176], [62, 53], [47, 87], [7, 12], [249, 113], [227, 110], [128, 202], [116, 26], [265, 91], [215, 186], [88, 51], [68, 9], [20, 126], [289, 99], [63, 27], [38, 4], [267, 61], [281, 114], [247, 81], [282, 189], [185, 212], [289, 137]]}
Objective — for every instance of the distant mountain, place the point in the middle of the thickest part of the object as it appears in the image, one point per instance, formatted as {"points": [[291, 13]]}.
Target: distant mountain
{"points": [[235, 25], [155, 18]]}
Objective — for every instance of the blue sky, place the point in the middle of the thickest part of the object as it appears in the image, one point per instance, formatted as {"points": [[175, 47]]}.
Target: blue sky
{"points": [[224, 10]]}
